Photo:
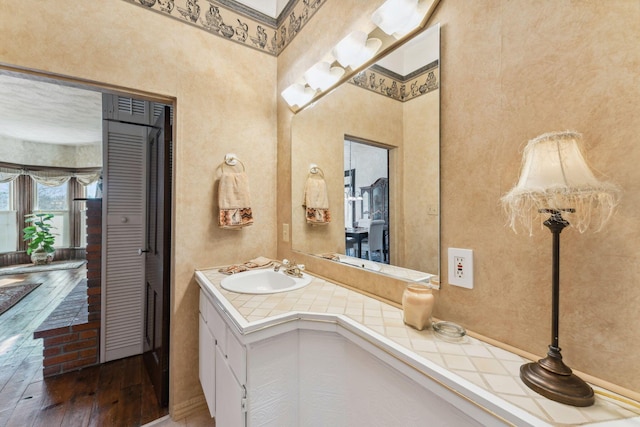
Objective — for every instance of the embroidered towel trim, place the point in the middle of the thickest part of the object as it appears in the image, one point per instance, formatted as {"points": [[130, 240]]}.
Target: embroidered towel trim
{"points": [[234, 201], [316, 200]]}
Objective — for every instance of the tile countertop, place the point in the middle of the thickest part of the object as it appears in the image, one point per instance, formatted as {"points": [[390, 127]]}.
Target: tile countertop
{"points": [[470, 362]]}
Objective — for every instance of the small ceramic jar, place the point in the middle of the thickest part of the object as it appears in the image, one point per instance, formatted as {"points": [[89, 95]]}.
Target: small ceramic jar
{"points": [[417, 305]]}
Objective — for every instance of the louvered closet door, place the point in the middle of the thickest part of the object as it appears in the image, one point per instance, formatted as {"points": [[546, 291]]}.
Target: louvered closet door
{"points": [[124, 207]]}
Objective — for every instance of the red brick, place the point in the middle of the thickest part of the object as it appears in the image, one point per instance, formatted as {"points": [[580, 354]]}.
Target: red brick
{"points": [[51, 351], [89, 352], [94, 316], [77, 364], [57, 360], [91, 333], [93, 274], [85, 326], [51, 332], [78, 345], [60, 339], [93, 284], [94, 291], [50, 371]]}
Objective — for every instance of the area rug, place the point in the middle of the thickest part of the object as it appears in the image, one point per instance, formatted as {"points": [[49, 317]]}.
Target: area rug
{"points": [[30, 268], [10, 295]]}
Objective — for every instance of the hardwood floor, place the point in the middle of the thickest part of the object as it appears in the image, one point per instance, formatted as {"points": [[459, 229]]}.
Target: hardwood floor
{"points": [[117, 393]]}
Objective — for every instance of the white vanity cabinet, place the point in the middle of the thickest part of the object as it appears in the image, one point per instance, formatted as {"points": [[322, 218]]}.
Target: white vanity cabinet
{"points": [[317, 369], [222, 367]]}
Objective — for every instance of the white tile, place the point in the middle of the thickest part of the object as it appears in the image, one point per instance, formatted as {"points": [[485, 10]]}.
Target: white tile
{"points": [[458, 362], [422, 345], [526, 403], [561, 413], [372, 320], [504, 384], [490, 366], [477, 350]]}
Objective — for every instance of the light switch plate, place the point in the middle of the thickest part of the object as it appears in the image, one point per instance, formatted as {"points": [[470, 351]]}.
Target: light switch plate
{"points": [[461, 267]]}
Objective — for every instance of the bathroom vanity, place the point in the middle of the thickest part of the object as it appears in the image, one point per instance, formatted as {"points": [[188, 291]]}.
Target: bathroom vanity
{"points": [[326, 355]]}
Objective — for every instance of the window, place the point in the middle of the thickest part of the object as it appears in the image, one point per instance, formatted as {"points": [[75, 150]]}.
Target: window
{"points": [[90, 191], [8, 229], [55, 200], [51, 198], [5, 196]]}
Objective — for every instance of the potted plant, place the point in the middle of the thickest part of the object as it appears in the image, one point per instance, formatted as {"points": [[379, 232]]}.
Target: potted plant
{"points": [[39, 237]]}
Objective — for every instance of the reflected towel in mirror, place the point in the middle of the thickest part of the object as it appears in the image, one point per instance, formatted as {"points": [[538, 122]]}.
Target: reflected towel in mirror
{"points": [[316, 200]]}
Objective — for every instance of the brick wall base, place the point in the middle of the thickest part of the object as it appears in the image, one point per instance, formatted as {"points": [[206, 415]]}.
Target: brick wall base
{"points": [[71, 333]]}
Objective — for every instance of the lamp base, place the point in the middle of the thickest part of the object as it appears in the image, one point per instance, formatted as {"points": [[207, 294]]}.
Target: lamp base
{"points": [[554, 380]]}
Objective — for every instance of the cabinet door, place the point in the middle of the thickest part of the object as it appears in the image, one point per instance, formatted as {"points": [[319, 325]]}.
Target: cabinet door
{"points": [[207, 365], [229, 395]]}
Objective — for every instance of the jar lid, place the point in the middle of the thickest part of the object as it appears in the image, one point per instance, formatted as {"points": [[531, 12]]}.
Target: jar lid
{"points": [[415, 287]]}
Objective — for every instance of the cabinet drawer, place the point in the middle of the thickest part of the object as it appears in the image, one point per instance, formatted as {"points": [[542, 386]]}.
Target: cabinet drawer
{"points": [[218, 328], [237, 358]]}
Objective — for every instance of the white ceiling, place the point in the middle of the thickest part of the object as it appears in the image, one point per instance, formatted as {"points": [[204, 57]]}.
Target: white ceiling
{"points": [[37, 111], [414, 54], [271, 8]]}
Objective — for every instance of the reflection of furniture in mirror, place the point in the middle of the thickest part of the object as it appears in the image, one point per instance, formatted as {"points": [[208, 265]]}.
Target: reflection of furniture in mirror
{"points": [[378, 197], [374, 243], [349, 196], [354, 238]]}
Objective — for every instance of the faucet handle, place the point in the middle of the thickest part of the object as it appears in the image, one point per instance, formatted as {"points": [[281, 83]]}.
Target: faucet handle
{"points": [[301, 267]]}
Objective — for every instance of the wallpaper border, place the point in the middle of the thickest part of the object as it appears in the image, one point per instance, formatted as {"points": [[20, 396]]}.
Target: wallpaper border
{"points": [[238, 23], [401, 88]]}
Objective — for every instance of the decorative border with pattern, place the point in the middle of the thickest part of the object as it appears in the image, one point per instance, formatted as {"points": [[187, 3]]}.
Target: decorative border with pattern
{"points": [[238, 23], [401, 88]]}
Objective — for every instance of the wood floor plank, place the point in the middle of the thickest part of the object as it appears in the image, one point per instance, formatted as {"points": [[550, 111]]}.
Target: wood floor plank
{"points": [[117, 393]]}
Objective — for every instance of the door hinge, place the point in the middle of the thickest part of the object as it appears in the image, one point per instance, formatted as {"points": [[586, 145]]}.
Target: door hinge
{"points": [[243, 401]]}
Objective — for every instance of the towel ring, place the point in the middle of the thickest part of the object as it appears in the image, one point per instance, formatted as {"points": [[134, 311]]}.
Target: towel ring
{"points": [[314, 169], [231, 159]]}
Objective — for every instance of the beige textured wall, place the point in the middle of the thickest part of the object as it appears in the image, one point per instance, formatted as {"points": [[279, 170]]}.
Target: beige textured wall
{"points": [[512, 70], [35, 153], [222, 104], [421, 183]]}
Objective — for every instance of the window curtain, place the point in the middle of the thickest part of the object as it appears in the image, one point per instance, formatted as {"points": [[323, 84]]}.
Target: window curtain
{"points": [[9, 174], [51, 177]]}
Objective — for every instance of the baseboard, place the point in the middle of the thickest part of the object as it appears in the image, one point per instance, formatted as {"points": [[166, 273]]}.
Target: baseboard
{"points": [[191, 406]]}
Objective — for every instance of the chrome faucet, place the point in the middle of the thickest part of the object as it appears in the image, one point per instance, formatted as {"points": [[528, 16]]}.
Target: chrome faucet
{"points": [[290, 268]]}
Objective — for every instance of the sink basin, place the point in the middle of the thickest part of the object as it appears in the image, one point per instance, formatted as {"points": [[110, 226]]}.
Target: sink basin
{"points": [[264, 282]]}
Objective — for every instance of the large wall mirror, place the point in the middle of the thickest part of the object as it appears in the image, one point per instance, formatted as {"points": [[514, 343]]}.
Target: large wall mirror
{"points": [[393, 107]]}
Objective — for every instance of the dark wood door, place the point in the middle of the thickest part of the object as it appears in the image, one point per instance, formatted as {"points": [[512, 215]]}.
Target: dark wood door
{"points": [[157, 257]]}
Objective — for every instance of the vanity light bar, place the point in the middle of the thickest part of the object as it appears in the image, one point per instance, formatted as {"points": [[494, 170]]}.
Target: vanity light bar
{"points": [[397, 17], [355, 49], [322, 75], [298, 94]]}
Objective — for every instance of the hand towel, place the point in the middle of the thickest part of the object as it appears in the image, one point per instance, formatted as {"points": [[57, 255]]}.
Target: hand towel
{"points": [[256, 263], [234, 200], [316, 200]]}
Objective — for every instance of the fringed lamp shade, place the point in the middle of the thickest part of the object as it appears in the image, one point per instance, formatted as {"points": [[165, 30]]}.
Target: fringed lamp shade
{"points": [[555, 180], [555, 176]]}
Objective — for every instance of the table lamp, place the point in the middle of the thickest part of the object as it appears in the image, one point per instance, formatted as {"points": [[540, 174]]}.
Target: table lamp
{"points": [[556, 180]]}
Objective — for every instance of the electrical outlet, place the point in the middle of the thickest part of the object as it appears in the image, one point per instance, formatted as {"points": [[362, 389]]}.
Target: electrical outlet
{"points": [[285, 232], [461, 267]]}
